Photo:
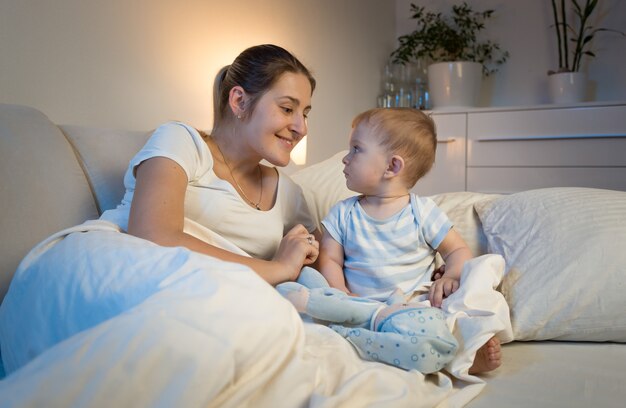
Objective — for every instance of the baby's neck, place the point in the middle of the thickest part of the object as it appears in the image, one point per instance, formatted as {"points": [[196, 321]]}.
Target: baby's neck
{"points": [[384, 205]]}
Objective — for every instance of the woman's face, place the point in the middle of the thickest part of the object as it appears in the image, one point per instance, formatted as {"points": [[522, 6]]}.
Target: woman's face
{"points": [[366, 162], [279, 120]]}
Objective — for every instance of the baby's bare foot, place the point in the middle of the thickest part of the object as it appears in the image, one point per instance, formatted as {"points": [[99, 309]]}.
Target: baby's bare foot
{"points": [[488, 357]]}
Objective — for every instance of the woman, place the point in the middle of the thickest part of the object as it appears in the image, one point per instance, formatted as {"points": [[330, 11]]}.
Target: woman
{"points": [[261, 107], [187, 194]]}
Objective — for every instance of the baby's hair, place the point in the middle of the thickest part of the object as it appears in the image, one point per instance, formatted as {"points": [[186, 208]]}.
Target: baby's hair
{"points": [[409, 133], [256, 70]]}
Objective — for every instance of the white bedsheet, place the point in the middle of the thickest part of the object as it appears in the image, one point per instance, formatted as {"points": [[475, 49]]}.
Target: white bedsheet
{"points": [[557, 374], [211, 333]]}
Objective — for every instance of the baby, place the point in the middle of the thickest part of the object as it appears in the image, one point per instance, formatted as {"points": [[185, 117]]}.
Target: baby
{"points": [[381, 246]]}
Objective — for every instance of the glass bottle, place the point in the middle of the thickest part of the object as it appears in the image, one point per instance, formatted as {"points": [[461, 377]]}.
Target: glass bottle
{"points": [[422, 95], [405, 89], [388, 97]]}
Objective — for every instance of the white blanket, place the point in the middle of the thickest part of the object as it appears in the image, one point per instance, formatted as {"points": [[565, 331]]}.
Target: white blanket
{"points": [[203, 332]]}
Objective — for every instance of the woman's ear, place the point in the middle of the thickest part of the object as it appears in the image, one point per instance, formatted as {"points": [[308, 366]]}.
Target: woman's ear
{"points": [[396, 164], [237, 101]]}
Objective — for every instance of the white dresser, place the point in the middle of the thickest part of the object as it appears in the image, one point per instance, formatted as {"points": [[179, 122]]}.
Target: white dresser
{"points": [[504, 150]]}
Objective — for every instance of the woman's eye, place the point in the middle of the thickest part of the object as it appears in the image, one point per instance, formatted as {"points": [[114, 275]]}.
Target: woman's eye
{"points": [[287, 110]]}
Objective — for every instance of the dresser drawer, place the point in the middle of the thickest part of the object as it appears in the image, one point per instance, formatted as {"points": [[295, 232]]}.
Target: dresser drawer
{"points": [[586, 136], [514, 179], [448, 172]]}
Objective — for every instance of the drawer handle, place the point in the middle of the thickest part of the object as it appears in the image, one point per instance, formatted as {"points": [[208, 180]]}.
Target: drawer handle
{"points": [[552, 137], [448, 140]]}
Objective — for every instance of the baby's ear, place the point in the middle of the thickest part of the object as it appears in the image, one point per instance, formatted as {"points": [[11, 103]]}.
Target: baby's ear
{"points": [[396, 164]]}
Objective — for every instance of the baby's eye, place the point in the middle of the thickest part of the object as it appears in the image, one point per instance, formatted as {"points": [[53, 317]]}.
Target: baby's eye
{"points": [[355, 149]]}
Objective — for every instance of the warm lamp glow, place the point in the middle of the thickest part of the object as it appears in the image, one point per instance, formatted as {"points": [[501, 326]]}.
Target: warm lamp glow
{"points": [[298, 154]]}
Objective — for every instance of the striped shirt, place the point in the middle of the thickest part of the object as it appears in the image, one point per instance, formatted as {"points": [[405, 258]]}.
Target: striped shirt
{"points": [[383, 255]]}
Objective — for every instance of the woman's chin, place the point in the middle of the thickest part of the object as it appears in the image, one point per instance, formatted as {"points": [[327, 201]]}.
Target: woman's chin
{"points": [[279, 161]]}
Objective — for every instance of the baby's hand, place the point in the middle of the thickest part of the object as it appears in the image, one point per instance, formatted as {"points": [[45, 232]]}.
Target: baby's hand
{"points": [[438, 273], [442, 288]]}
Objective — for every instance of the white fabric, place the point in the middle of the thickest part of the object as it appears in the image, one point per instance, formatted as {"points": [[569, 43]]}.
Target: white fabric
{"points": [[475, 312], [557, 374], [323, 185], [459, 207], [381, 256], [213, 202], [205, 332], [565, 250]]}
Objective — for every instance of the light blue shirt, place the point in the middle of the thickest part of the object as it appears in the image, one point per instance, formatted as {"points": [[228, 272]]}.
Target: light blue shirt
{"points": [[381, 256]]}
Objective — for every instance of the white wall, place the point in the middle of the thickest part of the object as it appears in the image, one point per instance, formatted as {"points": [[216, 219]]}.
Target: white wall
{"points": [[135, 64], [524, 29]]}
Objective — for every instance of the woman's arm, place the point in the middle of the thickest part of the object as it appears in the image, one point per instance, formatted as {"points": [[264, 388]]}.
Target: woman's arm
{"points": [[454, 252], [157, 214], [331, 262]]}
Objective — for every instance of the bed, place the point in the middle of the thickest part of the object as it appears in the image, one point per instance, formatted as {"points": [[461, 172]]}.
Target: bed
{"points": [[219, 336]]}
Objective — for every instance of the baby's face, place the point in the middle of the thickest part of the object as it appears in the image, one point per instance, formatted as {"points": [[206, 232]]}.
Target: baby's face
{"points": [[366, 162]]}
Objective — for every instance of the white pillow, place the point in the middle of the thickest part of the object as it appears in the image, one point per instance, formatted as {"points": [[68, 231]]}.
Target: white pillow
{"points": [[323, 185], [565, 250], [459, 207]]}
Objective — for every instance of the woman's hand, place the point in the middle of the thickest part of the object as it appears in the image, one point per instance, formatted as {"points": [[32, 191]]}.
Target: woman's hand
{"points": [[297, 248]]}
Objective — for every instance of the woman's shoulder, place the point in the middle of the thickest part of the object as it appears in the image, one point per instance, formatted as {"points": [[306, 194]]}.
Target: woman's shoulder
{"points": [[179, 130], [181, 143]]}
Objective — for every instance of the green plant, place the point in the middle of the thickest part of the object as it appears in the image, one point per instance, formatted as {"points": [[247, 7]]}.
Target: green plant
{"points": [[582, 32], [442, 38]]}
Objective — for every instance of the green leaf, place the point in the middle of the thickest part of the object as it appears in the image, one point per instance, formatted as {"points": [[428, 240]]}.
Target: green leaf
{"points": [[450, 37]]}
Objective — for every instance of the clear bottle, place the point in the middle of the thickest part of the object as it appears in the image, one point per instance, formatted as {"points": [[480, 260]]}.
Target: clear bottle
{"points": [[388, 97], [422, 95], [405, 88]]}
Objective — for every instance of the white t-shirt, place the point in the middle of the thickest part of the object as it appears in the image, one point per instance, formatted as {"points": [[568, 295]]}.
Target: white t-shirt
{"points": [[214, 203]]}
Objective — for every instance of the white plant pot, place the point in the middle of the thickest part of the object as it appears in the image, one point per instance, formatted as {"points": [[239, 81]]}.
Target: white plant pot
{"points": [[567, 87], [454, 84]]}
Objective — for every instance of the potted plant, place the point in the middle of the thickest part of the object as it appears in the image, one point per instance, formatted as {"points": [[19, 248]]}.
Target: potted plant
{"points": [[451, 45], [572, 26]]}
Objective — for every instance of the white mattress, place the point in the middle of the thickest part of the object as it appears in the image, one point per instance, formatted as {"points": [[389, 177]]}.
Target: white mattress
{"points": [[557, 374]]}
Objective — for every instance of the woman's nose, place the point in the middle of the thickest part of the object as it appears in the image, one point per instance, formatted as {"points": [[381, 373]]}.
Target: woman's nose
{"points": [[299, 126]]}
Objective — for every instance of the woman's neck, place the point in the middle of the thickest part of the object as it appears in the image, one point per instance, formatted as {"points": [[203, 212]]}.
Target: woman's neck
{"points": [[224, 149]]}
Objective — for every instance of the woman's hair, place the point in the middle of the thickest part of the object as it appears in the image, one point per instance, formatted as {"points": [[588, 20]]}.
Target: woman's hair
{"points": [[406, 132], [256, 70]]}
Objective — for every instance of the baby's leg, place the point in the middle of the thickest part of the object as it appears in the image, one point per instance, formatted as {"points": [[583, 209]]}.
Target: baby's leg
{"points": [[488, 357], [396, 297], [413, 338]]}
